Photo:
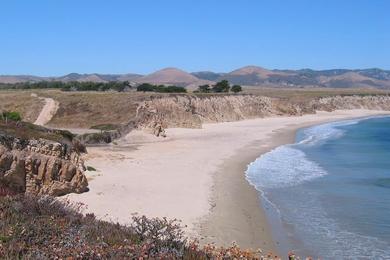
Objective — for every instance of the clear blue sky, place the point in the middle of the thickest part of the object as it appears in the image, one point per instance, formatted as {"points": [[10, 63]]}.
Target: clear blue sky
{"points": [[55, 37]]}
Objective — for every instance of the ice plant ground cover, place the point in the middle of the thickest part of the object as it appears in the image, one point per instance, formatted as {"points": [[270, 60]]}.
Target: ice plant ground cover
{"points": [[35, 227]]}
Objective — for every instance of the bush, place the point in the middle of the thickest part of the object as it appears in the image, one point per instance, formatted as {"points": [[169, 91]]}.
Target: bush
{"points": [[15, 116], [91, 169], [222, 86], [236, 88], [34, 227], [173, 89], [204, 89], [146, 87], [219, 87], [70, 86]]}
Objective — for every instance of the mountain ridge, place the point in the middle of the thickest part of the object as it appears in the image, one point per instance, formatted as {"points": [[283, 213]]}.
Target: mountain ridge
{"points": [[248, 76]]}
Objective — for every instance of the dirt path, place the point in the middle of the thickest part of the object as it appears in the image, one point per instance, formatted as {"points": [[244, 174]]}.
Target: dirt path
{"points": [[48, 111]]}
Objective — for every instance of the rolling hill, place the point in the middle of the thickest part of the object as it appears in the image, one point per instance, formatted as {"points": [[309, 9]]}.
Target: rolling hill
{"points": [[247, 76]]}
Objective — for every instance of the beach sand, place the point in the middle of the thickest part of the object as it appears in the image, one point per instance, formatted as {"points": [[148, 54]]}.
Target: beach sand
{"points": [[195, 175]]}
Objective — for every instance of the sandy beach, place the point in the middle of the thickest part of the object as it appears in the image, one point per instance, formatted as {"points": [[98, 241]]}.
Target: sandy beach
{"points": [[196, 175]]}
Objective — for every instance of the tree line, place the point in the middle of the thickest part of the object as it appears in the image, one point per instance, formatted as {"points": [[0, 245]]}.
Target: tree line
{"points": [[147, 87], [70, 86], [119, 86], [222, 86]]}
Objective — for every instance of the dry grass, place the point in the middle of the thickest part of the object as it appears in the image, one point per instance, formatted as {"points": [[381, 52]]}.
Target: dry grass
{"points": [[284, 98], [21, 101], [87, 109], [26, 131], [310, 93]]}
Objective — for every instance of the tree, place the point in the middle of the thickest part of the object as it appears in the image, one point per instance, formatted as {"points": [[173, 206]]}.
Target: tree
{"points": [[222, 86], [204, 89], [146, 87], [236, 88]]}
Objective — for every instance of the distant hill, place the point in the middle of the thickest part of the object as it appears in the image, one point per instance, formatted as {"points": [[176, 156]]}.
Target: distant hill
{"points": [[95, 77], [208, 75], [248, 76], [8, 79], [336, 78], [169, 76], [98, 77]]}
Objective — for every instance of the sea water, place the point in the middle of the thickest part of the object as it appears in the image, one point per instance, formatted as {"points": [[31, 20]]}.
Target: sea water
{"points": [[328, 195]]}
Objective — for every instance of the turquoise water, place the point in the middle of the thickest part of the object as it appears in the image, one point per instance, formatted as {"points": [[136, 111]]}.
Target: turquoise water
{"points": [[328, 194]]}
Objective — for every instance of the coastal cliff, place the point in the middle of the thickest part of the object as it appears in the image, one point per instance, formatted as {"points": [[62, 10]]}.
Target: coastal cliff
{"points": [[190, 111], [38, 165]]}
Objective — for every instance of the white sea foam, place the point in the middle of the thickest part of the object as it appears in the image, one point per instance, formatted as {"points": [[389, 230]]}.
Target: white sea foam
{"points": [[284, 166], [317, 134], [287, 165]]}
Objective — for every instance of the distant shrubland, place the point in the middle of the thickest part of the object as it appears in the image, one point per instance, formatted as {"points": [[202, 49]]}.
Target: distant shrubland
{"points": [[70, 86], [118, 86], [222, 86], [146, 87]]}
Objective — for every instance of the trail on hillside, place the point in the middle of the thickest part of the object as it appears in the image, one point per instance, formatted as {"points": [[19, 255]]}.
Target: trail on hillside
{"points": [[48, 111]]}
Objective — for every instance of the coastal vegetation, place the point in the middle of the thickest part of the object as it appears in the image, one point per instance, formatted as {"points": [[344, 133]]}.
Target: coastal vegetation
{"points": [[26, 130], [71, 86], [118, 86], [236, 88], [11, 115], [222, 86], [35, 227], [146, 87]]}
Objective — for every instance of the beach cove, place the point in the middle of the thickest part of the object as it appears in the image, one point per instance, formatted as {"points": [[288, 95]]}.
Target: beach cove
{"points": [[195, 175]]}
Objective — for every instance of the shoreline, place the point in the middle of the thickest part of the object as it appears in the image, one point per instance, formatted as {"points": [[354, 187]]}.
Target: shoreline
{"points": [[240, 224], [196, 175]]}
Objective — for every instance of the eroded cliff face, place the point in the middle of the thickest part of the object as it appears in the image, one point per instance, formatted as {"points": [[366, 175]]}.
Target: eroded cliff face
{"points": [[192, 111], [40, 167], [377, 102]]}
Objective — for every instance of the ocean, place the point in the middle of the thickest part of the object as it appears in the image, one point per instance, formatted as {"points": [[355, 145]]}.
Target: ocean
{"points": [[328, 194]]}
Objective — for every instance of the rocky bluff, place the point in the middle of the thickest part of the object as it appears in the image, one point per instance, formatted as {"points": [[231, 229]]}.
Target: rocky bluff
{"points": [[40, 166], [190, 111]]}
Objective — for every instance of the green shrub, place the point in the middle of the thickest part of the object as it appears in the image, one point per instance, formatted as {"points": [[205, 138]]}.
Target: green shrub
{"points": [[91, 169], [236, 88], [146, 87], [204, 89], [221, 86], [12, 115]]}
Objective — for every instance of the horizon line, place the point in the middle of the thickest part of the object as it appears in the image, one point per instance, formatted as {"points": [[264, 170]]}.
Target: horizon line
{"points": [[188, 71]]}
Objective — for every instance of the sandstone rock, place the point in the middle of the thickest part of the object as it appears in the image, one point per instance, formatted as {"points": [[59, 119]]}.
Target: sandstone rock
{"points": [[41, 167], [190, 111]]}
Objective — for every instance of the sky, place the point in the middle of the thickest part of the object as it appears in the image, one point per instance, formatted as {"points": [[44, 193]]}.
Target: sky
{"points": [[56, 37]]}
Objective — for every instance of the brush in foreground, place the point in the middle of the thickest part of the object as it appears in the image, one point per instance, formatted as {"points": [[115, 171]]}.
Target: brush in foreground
{"points": [[36, 227]]}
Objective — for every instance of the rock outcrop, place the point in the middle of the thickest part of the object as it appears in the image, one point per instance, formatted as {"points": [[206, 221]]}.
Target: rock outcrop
{"points": [[40, 166]]}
